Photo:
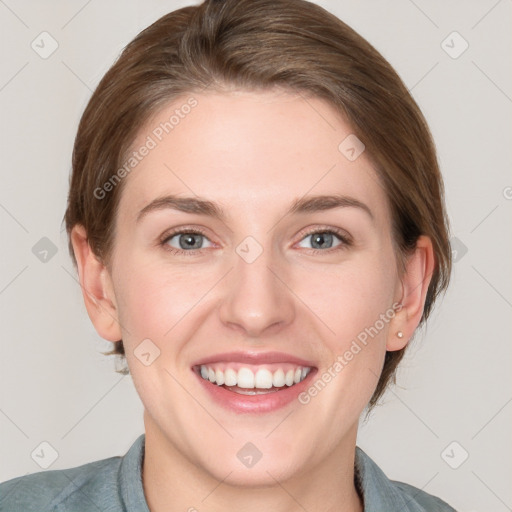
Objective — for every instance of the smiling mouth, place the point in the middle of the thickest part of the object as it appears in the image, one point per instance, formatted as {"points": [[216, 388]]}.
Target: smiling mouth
{"points": [[247, 379]]}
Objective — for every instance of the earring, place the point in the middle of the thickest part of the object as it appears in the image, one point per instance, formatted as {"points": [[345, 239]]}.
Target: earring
{"points": [[400, 334]]}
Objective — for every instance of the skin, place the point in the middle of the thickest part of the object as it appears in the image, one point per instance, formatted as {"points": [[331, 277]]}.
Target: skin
{"points": [[252, 153]]}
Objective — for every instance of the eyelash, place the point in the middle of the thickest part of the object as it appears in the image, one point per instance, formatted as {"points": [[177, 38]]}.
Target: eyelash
{"points": [[345, 240], [181, 231]]}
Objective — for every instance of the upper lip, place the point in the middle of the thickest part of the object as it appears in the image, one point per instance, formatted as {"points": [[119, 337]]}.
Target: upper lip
{"points": [[254, 358]]}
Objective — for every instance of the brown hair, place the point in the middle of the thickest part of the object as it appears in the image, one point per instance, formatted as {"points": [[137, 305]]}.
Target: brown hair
{"points": [[262, 44]]}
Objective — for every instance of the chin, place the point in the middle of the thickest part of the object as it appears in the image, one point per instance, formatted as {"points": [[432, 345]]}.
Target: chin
{"points": [[261, 475], [255, 462]]}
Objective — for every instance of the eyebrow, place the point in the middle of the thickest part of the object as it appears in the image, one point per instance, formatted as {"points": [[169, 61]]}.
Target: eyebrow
{"points": [[306, 204]]}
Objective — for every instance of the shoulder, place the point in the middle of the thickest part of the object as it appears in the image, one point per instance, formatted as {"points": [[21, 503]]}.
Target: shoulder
{"points": [[381, 494], [429, 502], [92, 486]]}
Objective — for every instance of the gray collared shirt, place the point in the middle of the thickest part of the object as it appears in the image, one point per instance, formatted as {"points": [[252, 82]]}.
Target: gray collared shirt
{"points": [[115, 485]]}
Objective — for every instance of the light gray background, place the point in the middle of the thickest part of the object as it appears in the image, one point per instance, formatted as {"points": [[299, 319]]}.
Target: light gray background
{"points": [[455, 383]]}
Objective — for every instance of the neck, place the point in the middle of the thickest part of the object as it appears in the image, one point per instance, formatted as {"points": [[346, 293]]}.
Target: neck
{"points": [[174, 483]]}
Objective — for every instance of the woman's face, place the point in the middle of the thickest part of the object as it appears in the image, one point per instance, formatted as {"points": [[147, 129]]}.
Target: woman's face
{"points": [[265, 279]]}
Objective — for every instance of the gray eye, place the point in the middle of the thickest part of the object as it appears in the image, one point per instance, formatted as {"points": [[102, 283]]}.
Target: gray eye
{"points": [[322, 240], [186, 241]]}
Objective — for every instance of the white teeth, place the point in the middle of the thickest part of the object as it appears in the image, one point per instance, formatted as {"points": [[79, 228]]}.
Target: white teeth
{"points": [[230, 377], [278, 378], [263, 379], [246, 378]]}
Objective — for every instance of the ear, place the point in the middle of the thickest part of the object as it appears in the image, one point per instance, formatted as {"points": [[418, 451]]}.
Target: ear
{"points": [[97, 287], [414, 286]]}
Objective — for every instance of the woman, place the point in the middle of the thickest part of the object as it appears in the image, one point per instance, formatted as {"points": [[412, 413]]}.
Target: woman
{"points": [[256, 216]]}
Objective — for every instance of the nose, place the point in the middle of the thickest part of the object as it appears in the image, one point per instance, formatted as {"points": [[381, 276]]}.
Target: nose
{"points": [[257, 300]]}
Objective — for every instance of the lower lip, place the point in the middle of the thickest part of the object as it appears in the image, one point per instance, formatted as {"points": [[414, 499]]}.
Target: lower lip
{"points": [[266, 402]]}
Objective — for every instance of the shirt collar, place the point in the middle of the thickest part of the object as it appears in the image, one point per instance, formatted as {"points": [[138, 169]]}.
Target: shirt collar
{"points": [[379, 493], [130, 478]]}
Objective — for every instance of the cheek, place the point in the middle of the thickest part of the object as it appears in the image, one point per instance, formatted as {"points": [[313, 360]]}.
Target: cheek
{"points": [[155, 303], [351, 297], [355, 303], [154, 298]]}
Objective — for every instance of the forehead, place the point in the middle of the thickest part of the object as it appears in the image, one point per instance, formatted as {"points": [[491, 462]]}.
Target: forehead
{"points": [[248, 151]]}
